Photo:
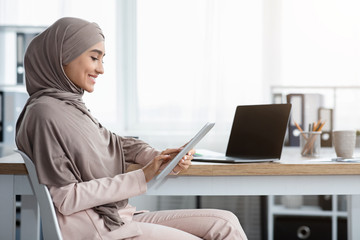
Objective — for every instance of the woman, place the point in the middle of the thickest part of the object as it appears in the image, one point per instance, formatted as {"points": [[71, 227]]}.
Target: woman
{"points": [[81, 162]]}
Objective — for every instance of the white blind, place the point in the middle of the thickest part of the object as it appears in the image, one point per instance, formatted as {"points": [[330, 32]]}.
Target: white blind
{"points": [[195, 61]]}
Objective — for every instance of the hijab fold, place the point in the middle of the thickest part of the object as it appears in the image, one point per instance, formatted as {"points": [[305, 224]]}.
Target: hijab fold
{"points": [[45, 57]]}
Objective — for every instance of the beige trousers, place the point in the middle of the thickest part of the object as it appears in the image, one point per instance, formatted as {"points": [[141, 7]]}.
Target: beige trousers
{"points": [[210, 224]]}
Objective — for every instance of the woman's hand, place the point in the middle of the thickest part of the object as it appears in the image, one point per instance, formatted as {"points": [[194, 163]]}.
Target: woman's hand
{"points": [[185, 162], [151, 169], [159, 162]]}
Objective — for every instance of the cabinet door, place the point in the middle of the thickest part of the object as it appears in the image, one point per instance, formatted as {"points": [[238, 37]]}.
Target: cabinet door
{"points": [[298, 228]]}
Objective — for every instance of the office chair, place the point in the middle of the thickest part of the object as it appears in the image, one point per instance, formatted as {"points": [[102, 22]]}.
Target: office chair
{"points": [[49, 223]]}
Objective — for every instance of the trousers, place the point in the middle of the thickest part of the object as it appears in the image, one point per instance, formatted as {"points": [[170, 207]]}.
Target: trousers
{"points": [[189, 224]]}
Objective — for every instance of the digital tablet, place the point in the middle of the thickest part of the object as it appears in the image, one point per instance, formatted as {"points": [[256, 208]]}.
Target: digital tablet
{"points": [[190, 145]]}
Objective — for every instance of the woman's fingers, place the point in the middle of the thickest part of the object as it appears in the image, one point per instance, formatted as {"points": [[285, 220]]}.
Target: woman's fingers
{"points": [[192, 152], [184, 163], [161, 158], [174, 151], [170, 151], [153, 166]]}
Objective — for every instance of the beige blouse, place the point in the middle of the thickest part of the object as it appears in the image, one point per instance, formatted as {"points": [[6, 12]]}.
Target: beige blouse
{"points": [[74, 203]]}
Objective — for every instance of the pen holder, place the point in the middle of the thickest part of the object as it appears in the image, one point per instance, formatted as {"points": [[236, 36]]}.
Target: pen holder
{"points": [[310, 144]]}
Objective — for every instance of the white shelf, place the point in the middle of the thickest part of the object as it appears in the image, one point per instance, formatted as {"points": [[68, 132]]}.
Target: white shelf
{"points": [[306, 211]]}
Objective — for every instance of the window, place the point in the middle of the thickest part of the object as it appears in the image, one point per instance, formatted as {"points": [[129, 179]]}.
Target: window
{"points": [[320, 43], [195, 61]]}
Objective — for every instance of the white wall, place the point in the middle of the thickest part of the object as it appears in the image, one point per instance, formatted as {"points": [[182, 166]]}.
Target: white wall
{"points": [[44, 13]]}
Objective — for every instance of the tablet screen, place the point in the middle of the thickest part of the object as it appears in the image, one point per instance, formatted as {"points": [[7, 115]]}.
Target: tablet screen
{"points": [[182, 153]]}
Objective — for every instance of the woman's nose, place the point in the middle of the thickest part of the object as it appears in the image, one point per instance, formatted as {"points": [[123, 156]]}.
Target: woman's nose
{"points": [[100, 68]]}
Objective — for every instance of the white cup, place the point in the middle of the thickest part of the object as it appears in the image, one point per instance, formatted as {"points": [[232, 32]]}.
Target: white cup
{"points": [[344, 143], [292, 201]]}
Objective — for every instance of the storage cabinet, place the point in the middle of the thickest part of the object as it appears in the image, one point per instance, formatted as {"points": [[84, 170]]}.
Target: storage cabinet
{"points": [[317, 217], [13, 96], [302, 227]]}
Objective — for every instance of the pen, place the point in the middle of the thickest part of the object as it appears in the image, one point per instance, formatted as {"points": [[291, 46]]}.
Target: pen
{"points": [[298, 127], [321, 126], [316, 125], [310, 143]]}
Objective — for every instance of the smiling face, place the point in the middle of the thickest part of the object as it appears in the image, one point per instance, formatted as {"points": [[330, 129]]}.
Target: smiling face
{"points": [[84, 69]]}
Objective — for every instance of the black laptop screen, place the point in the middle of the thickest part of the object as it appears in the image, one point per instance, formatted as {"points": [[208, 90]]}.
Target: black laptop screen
{"points": [[258, 131]]}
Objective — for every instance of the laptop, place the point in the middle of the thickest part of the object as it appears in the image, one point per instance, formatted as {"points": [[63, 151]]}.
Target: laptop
{"points": [[257, 135]]}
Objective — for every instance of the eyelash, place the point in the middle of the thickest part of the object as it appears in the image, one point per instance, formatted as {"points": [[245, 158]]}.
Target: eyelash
{"points": [[96, 59]]}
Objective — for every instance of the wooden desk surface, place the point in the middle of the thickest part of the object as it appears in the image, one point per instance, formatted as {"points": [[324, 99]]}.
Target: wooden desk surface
{"points": [[268, 169], [291, 164], [13, 164]]}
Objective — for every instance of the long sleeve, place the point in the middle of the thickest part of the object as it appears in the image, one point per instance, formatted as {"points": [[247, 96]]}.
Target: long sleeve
{"points": [[138, 152], [76, 197]]}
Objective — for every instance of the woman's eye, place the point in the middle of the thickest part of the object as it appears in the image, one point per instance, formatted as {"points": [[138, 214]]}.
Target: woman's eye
{"points": [[96, 59]]}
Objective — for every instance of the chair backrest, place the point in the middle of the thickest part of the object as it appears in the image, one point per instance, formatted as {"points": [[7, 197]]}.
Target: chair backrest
{"points": [[50, 225]]}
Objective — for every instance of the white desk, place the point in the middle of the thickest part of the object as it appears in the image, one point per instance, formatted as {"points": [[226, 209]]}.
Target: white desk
{"points": [[292, 175], [14, 181]]}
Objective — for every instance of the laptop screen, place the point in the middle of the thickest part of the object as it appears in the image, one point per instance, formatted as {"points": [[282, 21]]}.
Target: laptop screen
{"points": [[258, 131]]}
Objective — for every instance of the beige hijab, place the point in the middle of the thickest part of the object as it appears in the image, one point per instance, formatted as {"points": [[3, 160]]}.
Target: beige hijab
{"points": [[66, 143]]}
